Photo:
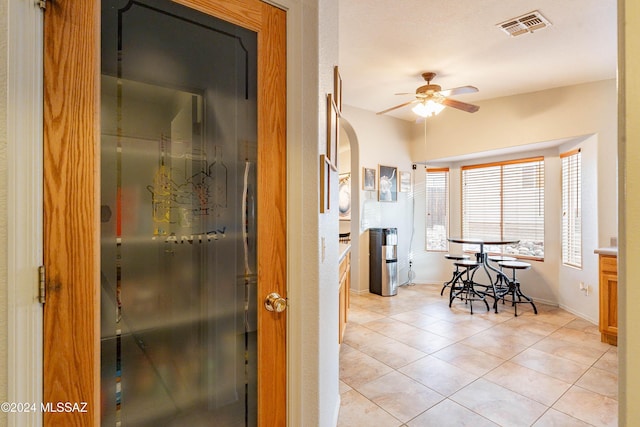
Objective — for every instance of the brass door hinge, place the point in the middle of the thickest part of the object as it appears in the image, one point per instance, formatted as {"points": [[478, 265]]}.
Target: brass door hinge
{"points": [[41, 285], [42, 4]]}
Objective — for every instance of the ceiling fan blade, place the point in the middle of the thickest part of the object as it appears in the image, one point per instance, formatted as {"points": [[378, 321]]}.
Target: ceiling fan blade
{"points": [[404, 93], [459, 90], [469, 108], [397, 106]]}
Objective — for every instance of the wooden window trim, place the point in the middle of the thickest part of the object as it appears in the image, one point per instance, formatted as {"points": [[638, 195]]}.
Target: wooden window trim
{"points": [[504, 163], [570, 153]]}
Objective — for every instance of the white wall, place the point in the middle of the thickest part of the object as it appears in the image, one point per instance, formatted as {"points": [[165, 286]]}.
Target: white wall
{"points": [[569, 295], [312, 244], [20, 207], [328, 284], [382, 140], [3, 204]]}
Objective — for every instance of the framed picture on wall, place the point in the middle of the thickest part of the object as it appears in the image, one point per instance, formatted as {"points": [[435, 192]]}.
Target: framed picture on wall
{"points": [[387, 183], [405, 182], [337, 89], [344, 196], [368, 179], [332, 132], [325, 184]]}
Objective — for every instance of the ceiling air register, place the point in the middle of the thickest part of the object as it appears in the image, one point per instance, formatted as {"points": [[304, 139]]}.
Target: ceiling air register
{"points": [[527, 23]]}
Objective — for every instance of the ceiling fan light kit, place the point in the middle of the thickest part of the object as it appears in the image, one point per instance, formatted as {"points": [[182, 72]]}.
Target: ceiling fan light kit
{"points": [[428, 108], [430, 99]]}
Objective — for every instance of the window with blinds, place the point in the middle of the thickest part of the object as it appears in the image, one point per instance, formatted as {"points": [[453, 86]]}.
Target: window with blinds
{"points": [[572, 208], [437, 209], [505, 200]]}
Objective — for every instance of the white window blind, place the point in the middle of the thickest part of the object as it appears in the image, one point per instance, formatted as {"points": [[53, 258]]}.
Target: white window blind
{"points": [[572, 208], [437, 212], [505, 200]]}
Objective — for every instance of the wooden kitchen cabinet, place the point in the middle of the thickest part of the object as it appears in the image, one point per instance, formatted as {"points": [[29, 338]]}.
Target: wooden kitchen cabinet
{"points": [[345, 284], [609, 299]]}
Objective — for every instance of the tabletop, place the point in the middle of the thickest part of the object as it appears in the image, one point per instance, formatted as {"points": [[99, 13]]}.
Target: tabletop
{"points": [[489, 241]]}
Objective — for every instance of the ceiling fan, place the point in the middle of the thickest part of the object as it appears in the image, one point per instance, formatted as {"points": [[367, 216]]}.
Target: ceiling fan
{"points": [[431, 99]]}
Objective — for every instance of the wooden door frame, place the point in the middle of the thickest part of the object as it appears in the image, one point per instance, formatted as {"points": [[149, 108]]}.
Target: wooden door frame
{"points": [[71, 203]]}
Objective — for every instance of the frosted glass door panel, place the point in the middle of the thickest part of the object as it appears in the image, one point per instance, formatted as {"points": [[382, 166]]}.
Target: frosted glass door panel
{"points": [[178, 241]]}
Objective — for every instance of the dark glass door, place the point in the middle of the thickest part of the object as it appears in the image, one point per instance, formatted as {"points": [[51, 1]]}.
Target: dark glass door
{"points": [[178, 214]]}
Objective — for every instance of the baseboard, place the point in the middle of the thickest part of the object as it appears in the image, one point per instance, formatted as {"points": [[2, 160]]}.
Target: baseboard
{"points": [[537, 300], [580, 315], [546, 302]]}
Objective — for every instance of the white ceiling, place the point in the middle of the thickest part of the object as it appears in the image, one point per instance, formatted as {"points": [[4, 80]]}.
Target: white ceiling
{"points": [[385, 46]]}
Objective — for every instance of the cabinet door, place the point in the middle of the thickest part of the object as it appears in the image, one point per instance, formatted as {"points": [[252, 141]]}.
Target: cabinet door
{"points": [[165, 212], [345, 285], [342, 320], [609, 307]]}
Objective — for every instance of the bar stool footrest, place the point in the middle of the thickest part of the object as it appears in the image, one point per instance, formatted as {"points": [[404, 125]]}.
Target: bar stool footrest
{"points": [[513, 287]]}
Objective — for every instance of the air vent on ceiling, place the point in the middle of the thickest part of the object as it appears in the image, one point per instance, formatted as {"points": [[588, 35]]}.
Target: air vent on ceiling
{"points": [[527, 23]]}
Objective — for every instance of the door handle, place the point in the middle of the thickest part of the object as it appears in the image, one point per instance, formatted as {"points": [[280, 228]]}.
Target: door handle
{"points": [[274, 302]]}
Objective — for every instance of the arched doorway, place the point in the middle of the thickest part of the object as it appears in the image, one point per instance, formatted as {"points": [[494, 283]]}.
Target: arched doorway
{"points": [[349, 154]]}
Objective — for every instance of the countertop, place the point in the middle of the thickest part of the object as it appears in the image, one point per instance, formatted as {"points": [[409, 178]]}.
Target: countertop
{"points": [[344, 249], [607, 251]]}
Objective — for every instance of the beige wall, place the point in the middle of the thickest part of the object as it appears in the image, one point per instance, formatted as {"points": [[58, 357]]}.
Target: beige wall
{"points": [[629, 267], [3, 206]]}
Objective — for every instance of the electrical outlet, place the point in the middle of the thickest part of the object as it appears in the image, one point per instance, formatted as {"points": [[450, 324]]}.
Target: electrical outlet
{"points": [[585, 288]]}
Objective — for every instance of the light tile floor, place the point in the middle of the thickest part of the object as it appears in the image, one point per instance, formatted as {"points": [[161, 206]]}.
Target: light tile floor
{"points": [[410, 360]]}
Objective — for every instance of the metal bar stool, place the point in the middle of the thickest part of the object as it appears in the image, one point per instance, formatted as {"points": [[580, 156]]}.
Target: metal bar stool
{"points": [[500, 282], [453, 257], [463, 288], [513, 286]]}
